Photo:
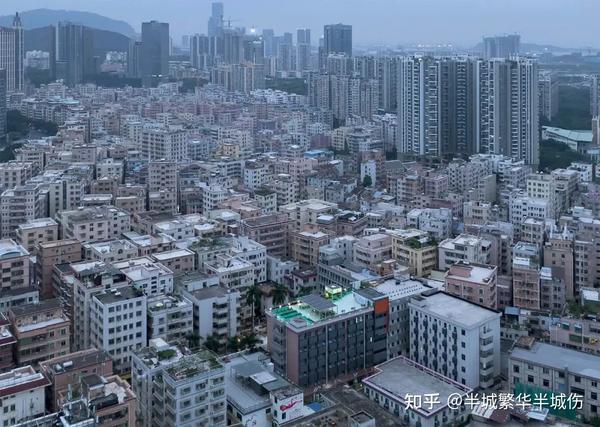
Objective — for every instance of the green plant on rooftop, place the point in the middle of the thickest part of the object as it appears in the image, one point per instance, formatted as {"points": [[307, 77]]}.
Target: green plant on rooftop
{"points": [[212, 343], [279, 294], [414, 243], [233, 344], [166, 354], [577, 310], [249, 342]]}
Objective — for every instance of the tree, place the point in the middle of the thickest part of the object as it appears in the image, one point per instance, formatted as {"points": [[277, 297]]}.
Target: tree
{"points": [[279, 294], [249, 342], [233, 344], [367, 181], [253, 297], [212, 343]]}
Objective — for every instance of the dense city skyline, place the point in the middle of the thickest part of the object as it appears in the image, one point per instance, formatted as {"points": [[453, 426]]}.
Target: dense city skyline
{"points": [[390, 22], [208, 225]]}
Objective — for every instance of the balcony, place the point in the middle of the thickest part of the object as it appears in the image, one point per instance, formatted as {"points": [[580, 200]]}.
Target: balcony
{"points": [[486, 356], [486, 345]]}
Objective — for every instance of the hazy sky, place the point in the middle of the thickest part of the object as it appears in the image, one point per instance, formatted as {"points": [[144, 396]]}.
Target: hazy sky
{"points": [[570, 23]]}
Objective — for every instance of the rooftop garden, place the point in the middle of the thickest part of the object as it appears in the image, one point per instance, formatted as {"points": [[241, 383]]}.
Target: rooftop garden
{"points": [[415, 243], [577, 310], [166, 354]]}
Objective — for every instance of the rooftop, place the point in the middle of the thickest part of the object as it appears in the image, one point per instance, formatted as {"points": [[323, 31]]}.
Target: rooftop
{"points": [[249, 381], [192, 365], [590, 294], [462, 240], [315, 308], [147, 239], [210, 292], [401, 376], [21, 380], [479, 273], [574, 135], [37, 223], [56, 243], [450, 308], [122, 294], [38, 307], [93, 213], [42, 324], [167, 255], [77, 360], [399, 289], [164, 302], [136, 273], [226, 264], [112, 246], [266, 220], [159, 353], [10, 249], [559, 358]]}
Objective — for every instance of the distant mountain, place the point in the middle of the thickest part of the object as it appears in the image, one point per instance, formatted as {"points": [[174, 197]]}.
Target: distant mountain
{"points": [[102, 40], [38, 18]]}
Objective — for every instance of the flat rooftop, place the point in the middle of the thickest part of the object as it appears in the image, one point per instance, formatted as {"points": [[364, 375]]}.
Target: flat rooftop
{"points": [[167, 255], [314, 234], [37, 307], [462, 240], [210, 292], [143, 260], [266, 220], [121, 294], [246, 374], [145, 271], [10, 249], [590, 294], [147, 239], [399, 289], [159, 353], [192, 365], [560, 358], [229, 264], [454, 309], [166, 302], [315, 308], [42, 324], [112, 246], [55, 243], [20, 380], [38, 223], [401, 376], [471, 272], [77, 360]]}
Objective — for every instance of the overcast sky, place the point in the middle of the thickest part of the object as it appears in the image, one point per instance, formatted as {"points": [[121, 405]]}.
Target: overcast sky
{"points": [[569, 23]]}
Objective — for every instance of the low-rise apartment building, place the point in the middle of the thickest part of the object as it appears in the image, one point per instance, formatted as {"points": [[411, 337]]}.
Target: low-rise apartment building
{"points": [[473, 282], [42, 331]]}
